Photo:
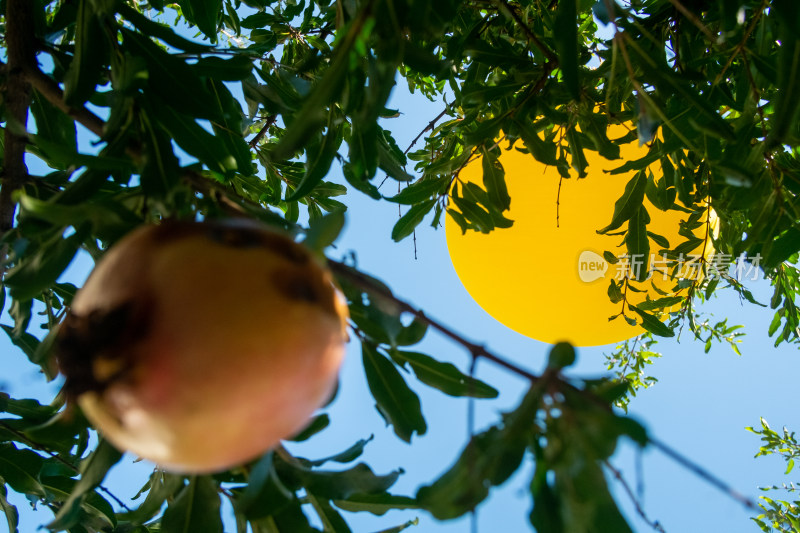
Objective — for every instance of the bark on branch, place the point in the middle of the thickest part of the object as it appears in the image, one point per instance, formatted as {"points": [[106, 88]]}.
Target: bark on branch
{"points": [[20, 48]]}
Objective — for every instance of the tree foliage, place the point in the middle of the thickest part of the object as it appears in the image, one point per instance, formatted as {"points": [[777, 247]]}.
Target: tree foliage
{"points": [[218, 108]]}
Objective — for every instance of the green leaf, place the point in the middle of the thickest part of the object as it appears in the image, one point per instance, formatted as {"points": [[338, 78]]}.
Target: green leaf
{"points": [[363, 145], [638, 244], [398, 404], [159, 31], [203, 13], [310, 117], [411, 219], [653, 324], [24, 341], [787, 14], [52, 124], [196, 508], [444, 376], [97, 507], [629, 203], [661, 303], [319, 161], [542, 150], [12, 515], [478, 216], [228, 130], [401, 527], [561, 355], [392, 161], [494, 180], [411, 334], [566, 29], [420, 190], [594, 126], [161, 169], [783, 248], [332, 521], [659, 193], [38, 272], [377, 504], [93, 471], [669, 82], [193, 138], [359, 182], [334, 485], [614, 293], [349, 455], [64, 156], [167, 72], [489, 459], [91, 50], [20, 469], [30, 410], [317, 424], [575, 146], [324, 231], [161, 487], [264, 493], [237, 68]]}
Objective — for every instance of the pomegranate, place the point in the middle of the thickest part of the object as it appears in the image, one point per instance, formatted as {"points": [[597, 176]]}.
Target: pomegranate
{"points": [[201, 345]]}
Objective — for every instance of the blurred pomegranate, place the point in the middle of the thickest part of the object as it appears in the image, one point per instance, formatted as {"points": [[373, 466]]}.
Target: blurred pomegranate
{"points": [[201, 345]]}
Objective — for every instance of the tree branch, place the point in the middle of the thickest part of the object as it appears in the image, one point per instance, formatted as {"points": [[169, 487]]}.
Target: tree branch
{"points": [[263, 131], [20, 48], [637, 505], [429, 127], [53, 93], [476, 350], [704, 474]]}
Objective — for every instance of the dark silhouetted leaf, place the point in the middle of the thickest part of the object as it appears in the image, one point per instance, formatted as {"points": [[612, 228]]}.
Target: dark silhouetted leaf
{"points": [[629, 203]]}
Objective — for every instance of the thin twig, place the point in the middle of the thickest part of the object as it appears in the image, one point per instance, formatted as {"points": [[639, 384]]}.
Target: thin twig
{"points": [[504, 7], [637, 505], [703, 474], [429, 127], [742, 43], [263, 131]]}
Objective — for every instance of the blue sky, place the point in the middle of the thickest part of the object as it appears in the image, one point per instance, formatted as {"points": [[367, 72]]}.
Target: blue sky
{"points": [[700, 406]]}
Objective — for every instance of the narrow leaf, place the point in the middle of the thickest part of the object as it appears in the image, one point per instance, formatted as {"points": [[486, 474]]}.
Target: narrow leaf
{"points": [[628, 203], [494, 180], [195, 509], [653, 324], [445, 376], [398, 404], [566, 28], [405, 226]]}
